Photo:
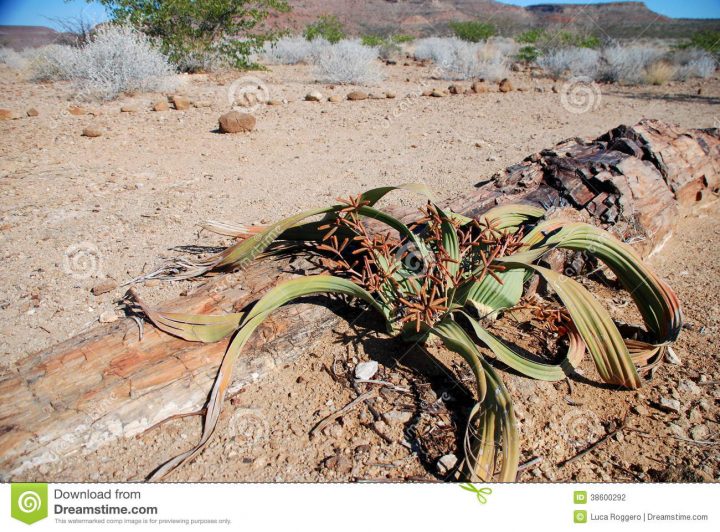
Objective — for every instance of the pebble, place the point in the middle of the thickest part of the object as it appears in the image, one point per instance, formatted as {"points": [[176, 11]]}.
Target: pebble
{"points": [[128, 109], [700, 433], [688, 386], [181, 103], [357, 96], [313, 96], [505, 86], [103, 287], [366, 370], [335, 98], [236, 122], [672, 405], [161, 106], [641, 410], [91, 132], [6, 114], [446, 463], [32, 112]]}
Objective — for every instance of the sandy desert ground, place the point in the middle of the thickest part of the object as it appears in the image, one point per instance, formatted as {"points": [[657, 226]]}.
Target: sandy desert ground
{"points": [[76, 211]]}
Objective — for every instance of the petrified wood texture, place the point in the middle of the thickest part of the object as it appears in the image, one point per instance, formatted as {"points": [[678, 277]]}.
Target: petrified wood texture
{"points": [[107, 383]]}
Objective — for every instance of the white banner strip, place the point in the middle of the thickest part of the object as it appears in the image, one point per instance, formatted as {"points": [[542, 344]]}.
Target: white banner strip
{"points": [[361, 507]]}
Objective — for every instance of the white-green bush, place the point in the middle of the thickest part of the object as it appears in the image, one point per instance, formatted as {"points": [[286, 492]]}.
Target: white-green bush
{"points": [[458, 59], [11, 58], [570, 61], [694, 63], [628, 64], [54, 62], [118, 59], [347, 61]]}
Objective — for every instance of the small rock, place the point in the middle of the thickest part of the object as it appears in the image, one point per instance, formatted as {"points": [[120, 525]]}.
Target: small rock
{"points": [[554, 89], [236, 122], [700, 433], [670, 405], [108, 316], [202, 103], [505, 85], [32, 112], [103, 287], [339, 463], [378, 96], [676, 429], [479, 87], [76, 110], [128, 109], [6, 114], [446, 463], [671, 357], [436, 93], [397, 416], [390, 95], [335, 98], [91, 132], [357, 96], [313, 96], [688, 386], [181, 103], [427, 92], [641, 410], [366, 370], [274, 102], [456, 89], [161, 106]]}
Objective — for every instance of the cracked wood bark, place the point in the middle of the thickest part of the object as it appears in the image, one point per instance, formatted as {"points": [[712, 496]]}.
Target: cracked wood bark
{"points": [[106, 383]]}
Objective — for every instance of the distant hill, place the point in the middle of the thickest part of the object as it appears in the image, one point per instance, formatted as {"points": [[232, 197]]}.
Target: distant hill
{"points": [[427, 17], [431, 17], [20, 37]]}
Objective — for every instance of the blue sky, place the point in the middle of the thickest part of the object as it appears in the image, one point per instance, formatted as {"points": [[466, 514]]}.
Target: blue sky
{"points": [[38, 12]]}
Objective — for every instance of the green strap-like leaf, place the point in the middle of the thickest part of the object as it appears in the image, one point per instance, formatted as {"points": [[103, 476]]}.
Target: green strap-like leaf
{"points": [[530, 368], [601, 336], [274, 299], [492, 428]]}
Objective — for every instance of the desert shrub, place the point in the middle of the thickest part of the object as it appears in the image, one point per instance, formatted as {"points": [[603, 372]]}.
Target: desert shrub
{"points": [[11, 58], [460, 59], [659, 73], [528, 54], [400, 38], [327, 27], [187, 30], [707, 40], [575, 61], [531, 36], [54, 62], [694, 63], [628, 64], [288, 51], [348, 62], [117, 59], [472, 31], [429, 48]]}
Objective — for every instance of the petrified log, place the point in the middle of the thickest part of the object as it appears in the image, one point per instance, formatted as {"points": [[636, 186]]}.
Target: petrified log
{"points": [[108, 383]]}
